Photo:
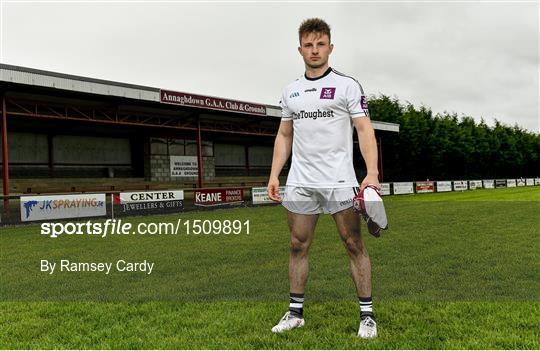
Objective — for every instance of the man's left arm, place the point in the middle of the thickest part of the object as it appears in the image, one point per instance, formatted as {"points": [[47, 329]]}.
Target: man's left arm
{"points": [[368, 148]]}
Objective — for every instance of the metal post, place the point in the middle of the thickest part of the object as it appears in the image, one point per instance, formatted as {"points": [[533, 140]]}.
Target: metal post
{"points": [[112, 206], [5, 164], [199, 154]]}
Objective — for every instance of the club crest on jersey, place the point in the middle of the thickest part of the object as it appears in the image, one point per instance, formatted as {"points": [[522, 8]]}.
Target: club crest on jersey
{"points": [[328, 93], [295, 94], [363, 102]]}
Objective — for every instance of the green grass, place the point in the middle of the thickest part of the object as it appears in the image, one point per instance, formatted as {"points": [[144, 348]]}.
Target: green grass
{"points": [[245, 324], [454, 271]]}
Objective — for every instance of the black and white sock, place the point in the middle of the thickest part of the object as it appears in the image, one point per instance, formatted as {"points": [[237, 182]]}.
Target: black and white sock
{"points": [[366, 307], [296, 304]]}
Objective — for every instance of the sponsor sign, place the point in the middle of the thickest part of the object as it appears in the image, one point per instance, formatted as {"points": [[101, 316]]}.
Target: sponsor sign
{"points": [[536, 181], [403, 188], [489, 183], [520, 182], [150, 200], [259, 195], [475, 184], [215, 197], [500, 183], [529, 181], [510, 183], [209, 102], [425, 187], [444, 186], [328, 93], [460, 185], [385, 189], [37, 208], [363, 102], [184, 166]]}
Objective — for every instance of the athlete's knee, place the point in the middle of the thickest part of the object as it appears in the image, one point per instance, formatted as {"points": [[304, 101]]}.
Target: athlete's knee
{"points": [[354, 246], [299, 247]]}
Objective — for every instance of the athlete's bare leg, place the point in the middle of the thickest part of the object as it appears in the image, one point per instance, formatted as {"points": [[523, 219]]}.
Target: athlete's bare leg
{"points": [[302, 229], [348, 225]]}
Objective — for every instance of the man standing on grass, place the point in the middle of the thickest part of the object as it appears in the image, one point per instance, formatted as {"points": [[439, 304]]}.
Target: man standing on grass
{"points": [[318, 113]]}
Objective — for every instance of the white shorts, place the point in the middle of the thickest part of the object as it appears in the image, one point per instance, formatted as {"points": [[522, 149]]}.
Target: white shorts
{"points": [[303, 200]]}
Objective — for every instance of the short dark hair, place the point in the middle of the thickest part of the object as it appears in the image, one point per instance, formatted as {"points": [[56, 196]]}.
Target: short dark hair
{"points": [[313, 25]]}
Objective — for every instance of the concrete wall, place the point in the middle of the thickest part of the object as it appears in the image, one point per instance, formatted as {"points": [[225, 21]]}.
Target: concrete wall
{"points": [[157, 164], [159, 170]]}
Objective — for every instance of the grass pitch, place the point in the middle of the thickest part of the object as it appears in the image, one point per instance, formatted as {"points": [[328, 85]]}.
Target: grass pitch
{"points": [[454, 271]]}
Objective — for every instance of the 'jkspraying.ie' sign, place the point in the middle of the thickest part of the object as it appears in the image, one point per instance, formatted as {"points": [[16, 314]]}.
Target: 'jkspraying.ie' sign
{"points": [[37, 208]]}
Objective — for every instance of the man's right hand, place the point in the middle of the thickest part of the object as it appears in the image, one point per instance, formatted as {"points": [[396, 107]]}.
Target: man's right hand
{"points": [[273, 189]]}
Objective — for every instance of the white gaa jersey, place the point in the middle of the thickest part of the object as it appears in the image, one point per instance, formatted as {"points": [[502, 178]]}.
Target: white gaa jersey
{"points": [[322, 110]]}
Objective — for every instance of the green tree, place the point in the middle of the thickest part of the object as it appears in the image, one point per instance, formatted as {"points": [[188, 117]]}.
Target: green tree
{"points": [[448, 147]]}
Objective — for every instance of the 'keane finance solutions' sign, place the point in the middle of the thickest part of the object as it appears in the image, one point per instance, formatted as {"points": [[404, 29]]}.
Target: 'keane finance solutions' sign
{"points": [[216, 197]]}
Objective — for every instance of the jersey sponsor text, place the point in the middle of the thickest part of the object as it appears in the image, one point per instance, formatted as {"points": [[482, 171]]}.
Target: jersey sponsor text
{"points": [[312, 114]]}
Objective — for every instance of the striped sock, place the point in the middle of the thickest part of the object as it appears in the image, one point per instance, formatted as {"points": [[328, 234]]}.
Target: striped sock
{"points": [[366, 307], [296, 304]]}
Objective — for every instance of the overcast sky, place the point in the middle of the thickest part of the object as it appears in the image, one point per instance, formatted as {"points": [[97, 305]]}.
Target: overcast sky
{"points": [[478, 59]]}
